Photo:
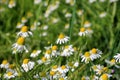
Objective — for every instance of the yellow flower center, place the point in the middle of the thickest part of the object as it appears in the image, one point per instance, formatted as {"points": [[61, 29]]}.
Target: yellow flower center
{"points": [[11, 2], [61, 79], [25, 61], [55, 67], [44, 59], [87, 54], [20, 40], [94, 67], [34, 51], [82, 29], [94, 51], [9, 73], [54, 47], [113, 61], [52, 73], [11, 66], [104, 77], [66, 47], [24, 29], [63, 67], [48, 51], [23, 18], [87, 22], [83, 78], [4, 62], [61, 36]]}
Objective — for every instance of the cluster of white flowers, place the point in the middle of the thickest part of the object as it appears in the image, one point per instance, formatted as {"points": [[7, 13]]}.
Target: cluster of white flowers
{"points": [[91, 55]]}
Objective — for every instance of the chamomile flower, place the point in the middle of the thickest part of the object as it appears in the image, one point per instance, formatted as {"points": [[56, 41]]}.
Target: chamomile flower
{"points": [[99, 69], [48, 54], [102, 15], [19, 25], [67, 26], [117, 57], [54, 51], [11, 4], [67, 51], [105, 76], [62, 39], [87, 24], [54, 68], [91, 1], [95, 53], [28, 65], [19, 45], [5, 64], [68, 15], [63, 69], [71, 2], [24, 20], [83, 32], [35, 53], [86, 57], [80, 12], [24, 32], [9, 75], [112, 62], [43, 60], [37, 1]]}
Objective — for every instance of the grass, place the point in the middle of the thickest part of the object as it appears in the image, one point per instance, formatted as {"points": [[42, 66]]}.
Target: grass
{"points": [[49, 18]]}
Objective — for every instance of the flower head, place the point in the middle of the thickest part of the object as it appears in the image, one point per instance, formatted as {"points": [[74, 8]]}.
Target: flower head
{"points": [[62, 39]]}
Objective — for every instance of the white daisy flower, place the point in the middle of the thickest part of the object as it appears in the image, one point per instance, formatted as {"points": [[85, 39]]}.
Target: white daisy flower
{"points": [[27, 65], [24, 20], [45, 27], [19, 25], [54, 68], [63, 69], [68, 50], [98, 69], [80, 12], [37, 1], [102, 15], [67, 26], [9, 75], [112, 62], [68, 15], [11, 4], [54, 51], [35, 53], [76, 64], [87, 24], [86, 57], [105, 76], [71, 2], [4, 64], [48, 54], [95, 53], [117, 57], [62, 39], [43, 60], [19, 45], [24, 32], [83, 32], [91, 1]]}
